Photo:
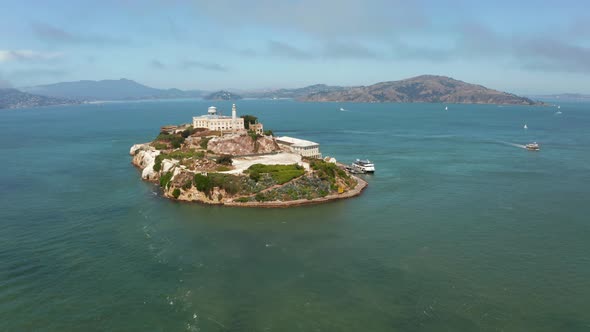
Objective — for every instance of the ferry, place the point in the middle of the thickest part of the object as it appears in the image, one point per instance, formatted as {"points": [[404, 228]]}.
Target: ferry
{"points": [[532, 146], [363, 166]]}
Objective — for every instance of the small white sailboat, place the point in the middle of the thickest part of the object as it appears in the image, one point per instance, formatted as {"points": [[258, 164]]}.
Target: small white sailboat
{"points": [[342, 109], [446, 108], [525, 126]]}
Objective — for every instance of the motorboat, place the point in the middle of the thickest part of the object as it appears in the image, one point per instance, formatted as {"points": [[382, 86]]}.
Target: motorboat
{"points": [[532, 146]]}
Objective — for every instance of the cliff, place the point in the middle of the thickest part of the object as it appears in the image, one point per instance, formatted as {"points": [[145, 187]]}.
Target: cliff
{"points": [[422, 89]]}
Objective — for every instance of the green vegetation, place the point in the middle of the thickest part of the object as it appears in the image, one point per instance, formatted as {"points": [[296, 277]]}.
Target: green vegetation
{"points": [[160, 146], [232, 184], [165, 180], [280, 173], [179, 155], [268, 133], [176, 193], [305, 187], [224, 160], [187, 132], [175, 140], [204, 141], [202, 183], [254, 136], [248, 119]]}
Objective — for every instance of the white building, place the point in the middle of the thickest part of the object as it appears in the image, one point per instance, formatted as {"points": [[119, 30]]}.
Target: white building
{"points": [[300, 146], [214, 121]]}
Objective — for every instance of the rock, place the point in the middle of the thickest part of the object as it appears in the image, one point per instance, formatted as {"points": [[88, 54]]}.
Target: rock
{"points": [[168, 164], [237, 145]]}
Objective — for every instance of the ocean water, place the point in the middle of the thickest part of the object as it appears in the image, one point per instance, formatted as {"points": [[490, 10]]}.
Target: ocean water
{"points": [[460, 229]]}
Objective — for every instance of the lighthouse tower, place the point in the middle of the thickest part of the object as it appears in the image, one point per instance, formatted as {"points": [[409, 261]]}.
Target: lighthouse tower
{"points": [[234, 116]]}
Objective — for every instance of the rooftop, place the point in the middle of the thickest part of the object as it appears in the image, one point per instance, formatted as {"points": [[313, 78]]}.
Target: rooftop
{"points": [[295, 141]]}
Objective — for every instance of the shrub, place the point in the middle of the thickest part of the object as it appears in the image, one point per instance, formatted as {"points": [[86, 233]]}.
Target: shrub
{"points": [[176, 193], [165, 179], [204, 141], [249, 119], [202, 183], [279, 173], [160, 146], [242, 199], [268, 133], [224, 160]]}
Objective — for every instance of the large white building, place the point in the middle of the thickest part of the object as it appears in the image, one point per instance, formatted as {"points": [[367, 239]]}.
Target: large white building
{"points": [[214, 121], [304, 148]]}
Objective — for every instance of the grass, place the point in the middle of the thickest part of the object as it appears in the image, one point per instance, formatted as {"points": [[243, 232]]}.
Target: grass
{"points": [[280, 173]]}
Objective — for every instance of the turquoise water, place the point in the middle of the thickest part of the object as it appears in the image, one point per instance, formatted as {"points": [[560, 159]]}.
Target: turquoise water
{"points": [[458, 231]]}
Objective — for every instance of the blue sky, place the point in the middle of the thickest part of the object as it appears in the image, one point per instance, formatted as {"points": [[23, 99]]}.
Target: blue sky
{"points": [[525, 47]]}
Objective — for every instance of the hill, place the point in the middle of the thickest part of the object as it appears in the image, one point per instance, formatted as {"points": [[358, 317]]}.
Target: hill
{"points": [[13, 98], [223, 95], [294, 93], [421, 89], [122, 89]]}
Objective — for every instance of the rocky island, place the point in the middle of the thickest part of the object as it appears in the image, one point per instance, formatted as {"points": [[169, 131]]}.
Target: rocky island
{"points": [[230, 160]]}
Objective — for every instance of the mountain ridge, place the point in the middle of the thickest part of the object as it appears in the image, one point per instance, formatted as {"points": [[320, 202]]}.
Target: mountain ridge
{"points": [[121, 89], [424, 88]]}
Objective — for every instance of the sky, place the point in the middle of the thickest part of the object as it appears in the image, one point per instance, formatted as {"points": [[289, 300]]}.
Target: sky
{"points": [[524, 47]]}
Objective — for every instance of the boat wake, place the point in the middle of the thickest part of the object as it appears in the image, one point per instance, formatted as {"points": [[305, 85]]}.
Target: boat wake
{"points": [[512, 144]]}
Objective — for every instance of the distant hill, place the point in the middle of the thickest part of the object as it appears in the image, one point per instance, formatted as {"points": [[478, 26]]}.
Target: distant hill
{"points": [[13, 98], [294, 93], [122, 89], [421, 89], [223, 95]]}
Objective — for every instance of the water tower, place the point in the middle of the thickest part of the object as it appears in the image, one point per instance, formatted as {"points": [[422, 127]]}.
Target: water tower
{"points": [[212, 110]]}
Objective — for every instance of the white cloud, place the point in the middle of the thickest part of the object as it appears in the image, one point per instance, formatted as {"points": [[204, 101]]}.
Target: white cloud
{"points": [[28, 56]]}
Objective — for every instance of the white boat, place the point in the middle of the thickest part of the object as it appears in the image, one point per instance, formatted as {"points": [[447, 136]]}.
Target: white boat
{"points": [[342, 109], [525, 126], [446, 108], [532, 146], [363, 166]]}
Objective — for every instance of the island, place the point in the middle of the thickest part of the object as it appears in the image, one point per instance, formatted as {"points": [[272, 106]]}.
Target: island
{"points": [[222, 95], [233, 161]]}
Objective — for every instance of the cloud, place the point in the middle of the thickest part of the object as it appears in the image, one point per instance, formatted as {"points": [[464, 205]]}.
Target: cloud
{"points": [[323, 19], [190, 64], [55, 34], [280, 49], [36, 73], [351, 50], [28, 56], [157, 64]]}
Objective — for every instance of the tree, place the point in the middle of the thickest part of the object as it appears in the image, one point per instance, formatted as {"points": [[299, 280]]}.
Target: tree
{"points": [[248, 119]]}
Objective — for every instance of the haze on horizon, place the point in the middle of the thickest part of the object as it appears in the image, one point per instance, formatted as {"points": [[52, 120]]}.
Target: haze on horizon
{"points": [[525, 47]]}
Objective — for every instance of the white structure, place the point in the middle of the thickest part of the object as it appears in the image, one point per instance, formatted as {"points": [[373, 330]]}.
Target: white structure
{"points": [[214, 121], [300, 146]]}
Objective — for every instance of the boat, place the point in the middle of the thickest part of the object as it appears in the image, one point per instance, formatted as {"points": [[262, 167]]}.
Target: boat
{"points": [[525, 126], [342, 109], [446, 108], [532, 146], [363, 166]]}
